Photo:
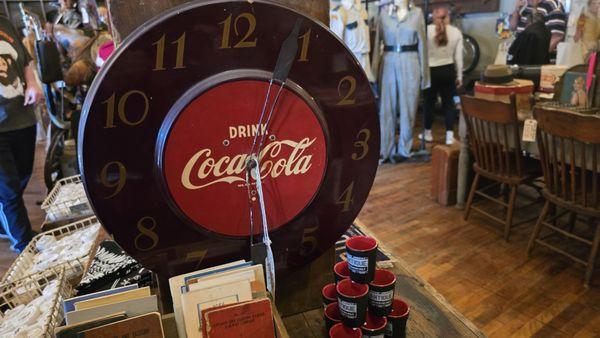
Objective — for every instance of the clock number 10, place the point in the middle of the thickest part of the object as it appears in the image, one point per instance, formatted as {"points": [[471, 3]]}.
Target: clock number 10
{"points": [[160, 52], [245, 42], [111, 106]]}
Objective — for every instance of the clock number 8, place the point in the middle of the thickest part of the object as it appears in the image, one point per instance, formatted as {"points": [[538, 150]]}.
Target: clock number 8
{"points": [[147, 239], [108, 180], [121, 109]]}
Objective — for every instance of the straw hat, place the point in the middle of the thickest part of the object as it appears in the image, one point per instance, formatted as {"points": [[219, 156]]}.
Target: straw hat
{"points": [[498, 75]]}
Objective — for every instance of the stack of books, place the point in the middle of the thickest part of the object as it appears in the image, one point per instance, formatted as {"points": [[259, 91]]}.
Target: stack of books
{"points": [[127, 311], [229, 300]]}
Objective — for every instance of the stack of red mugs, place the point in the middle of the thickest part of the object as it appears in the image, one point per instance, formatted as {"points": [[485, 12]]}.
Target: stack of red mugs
{"points": [[361, 302]]}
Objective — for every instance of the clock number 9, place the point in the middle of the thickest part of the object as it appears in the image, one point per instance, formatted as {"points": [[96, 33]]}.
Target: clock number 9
{"points": [[160, 53], [244, 42], [147, 239], [347, 98], [309, 241], [362, 144], [121, 109], [107, 179], [347, 198]]}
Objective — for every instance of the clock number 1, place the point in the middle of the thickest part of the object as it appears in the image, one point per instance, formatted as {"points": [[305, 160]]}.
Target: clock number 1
{"points": [[111, 104], [347, 98], [244, 42], [305, 44], [347, 198], [160, 52]]}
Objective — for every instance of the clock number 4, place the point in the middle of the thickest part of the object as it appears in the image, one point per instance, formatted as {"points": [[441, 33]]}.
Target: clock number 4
{"points": [[160, 52], [121, 109], [246, 41], [147, 239], [346, 198], [363, 143], [347, 90], [107, 177], [309, 241]]}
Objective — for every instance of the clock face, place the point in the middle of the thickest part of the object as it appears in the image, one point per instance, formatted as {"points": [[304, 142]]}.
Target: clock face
{"points": [[173, 118]]}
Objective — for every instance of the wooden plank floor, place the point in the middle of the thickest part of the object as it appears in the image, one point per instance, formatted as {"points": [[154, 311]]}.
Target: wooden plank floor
{"points": [[491, 282]]}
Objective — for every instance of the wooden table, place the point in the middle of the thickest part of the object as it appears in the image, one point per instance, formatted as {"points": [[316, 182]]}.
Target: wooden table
{"points": [[430, 313]]}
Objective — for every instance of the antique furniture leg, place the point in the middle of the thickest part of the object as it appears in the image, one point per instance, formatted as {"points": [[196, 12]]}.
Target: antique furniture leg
{"points": [[538, 228], [509, 214], [463, 163], [471, 196], [593, 255]]}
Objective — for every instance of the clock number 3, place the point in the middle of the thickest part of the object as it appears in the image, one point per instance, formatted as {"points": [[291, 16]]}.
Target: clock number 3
{"points": [[362, 144], [245, 42], [309, 241], [121, 109], [346, 90], [107, 177], [347, 198], [147, 239], [160, 52]]}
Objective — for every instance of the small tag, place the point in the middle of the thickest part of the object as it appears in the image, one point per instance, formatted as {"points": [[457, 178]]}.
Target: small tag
{"points": [[529, 130]]}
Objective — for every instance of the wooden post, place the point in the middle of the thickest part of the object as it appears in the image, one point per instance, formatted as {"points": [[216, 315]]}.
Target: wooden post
{"points": [[127, 15]]}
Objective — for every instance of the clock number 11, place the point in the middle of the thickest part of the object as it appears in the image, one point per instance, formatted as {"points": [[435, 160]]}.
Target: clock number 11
{"points": [[160, 52]]}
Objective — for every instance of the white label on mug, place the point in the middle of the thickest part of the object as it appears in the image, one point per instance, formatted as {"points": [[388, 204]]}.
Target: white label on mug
{"points": [[389, 329], [347, 309], [381, 299], [358, 264]]}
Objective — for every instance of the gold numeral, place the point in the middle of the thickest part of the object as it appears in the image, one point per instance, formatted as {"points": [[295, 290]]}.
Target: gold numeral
{"points": [[305, 43], [147, 239], [107, 179], [245, 42], [348, 98], [309, 241], [196, 256], [347, 198], [362, 144], [160, 53], [121, 109]]}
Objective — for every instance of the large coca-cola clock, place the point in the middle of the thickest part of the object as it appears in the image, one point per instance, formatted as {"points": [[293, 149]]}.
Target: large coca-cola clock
{"points": [[169, 124]]}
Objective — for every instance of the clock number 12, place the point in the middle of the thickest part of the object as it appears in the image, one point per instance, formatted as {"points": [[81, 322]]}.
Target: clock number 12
{"points": [[245, 42]]}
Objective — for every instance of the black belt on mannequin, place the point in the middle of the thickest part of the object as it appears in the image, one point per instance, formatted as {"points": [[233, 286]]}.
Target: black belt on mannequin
{"points": [[401, 49]]}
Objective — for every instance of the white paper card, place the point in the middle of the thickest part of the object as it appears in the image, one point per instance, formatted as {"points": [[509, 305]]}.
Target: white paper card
{"points": [[529, 130]]}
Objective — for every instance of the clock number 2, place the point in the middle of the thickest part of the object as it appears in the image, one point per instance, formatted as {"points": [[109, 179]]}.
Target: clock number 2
{"points": [[121, 109], [309, 241], [147, 239], [348, 97], [347, 198], [245, 42], [160, 52], [362, 144], [107, 177]]}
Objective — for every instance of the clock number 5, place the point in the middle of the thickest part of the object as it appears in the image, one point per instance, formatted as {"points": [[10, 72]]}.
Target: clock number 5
{"points": [[347, 198], [107, 179], [160, 53], [147, 239], [309, 241], [348, 84], [121, 109], [244, 42], [362, 144]]}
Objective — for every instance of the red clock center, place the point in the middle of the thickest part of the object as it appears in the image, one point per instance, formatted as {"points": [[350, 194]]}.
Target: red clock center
{"points": [[208, 145]]}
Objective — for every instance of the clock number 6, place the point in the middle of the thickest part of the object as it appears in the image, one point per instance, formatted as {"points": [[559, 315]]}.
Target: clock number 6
{"points": [[244, 43], [309, 240], [121, 109], [160, 53], [147, 239], [362, 144], [347, 198], [347, 98], [107, 179]]}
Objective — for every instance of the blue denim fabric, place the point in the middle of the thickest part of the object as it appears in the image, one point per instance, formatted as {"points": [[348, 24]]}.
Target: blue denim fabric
{"points": [[17, 150]]}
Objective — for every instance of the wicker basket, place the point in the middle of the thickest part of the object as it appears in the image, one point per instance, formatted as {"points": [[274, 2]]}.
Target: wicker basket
{"points": [[23, 291], [73, 269], [59, 208]]}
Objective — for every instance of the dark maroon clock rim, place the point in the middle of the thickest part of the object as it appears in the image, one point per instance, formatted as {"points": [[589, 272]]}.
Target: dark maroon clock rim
{"points": [[125, 71]]}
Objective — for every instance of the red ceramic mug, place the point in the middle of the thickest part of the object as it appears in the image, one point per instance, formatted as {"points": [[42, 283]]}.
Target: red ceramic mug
{"points": [[397, 319], [329, 294], [381, 292], [374, 326], [332, 315], [341, 271], [361, 252], [341, 331], [352, 299]]}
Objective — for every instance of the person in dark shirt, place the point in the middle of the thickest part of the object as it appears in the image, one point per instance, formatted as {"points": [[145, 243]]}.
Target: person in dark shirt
{"points": [[19, 92], [554, 15], [530, 47]]}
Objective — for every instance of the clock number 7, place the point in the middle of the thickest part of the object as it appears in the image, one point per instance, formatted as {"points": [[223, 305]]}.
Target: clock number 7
{"points": [[196, 256], [160, 52]]}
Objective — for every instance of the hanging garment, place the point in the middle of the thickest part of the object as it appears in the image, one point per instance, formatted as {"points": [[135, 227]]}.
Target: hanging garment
{"points": [[404, 72], [352, 26]]}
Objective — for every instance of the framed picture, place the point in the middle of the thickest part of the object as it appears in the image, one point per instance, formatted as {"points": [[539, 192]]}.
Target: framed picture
{"points": [[575, 92]]}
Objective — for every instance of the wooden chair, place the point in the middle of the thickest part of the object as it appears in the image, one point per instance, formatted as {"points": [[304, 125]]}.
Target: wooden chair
{"points": [[493, 129], [569, 144]]}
